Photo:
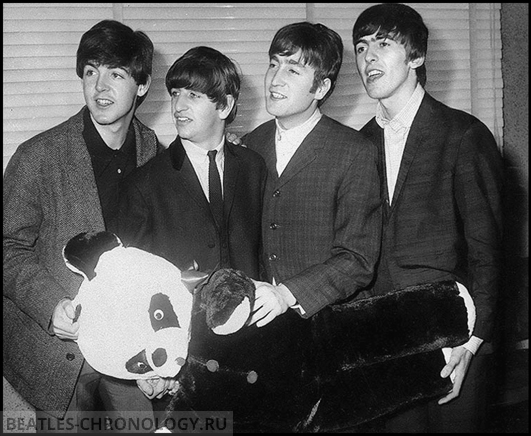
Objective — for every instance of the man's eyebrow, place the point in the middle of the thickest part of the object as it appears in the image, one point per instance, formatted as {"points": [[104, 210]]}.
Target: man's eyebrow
{"points": [[362, 39], [366, 39], [95, 64], [297, 62]]}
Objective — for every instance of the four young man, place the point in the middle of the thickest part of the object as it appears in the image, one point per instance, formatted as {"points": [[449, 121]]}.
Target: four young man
{"points": [[317, 198]]}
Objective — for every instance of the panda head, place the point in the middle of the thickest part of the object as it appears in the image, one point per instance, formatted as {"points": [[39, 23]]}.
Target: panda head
{"points": [[134, 308]]}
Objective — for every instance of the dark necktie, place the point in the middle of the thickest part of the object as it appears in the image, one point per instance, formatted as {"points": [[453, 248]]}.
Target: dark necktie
{"points": [[214, 188]]}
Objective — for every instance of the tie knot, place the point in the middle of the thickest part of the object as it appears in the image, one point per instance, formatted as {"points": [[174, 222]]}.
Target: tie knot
{"points": [[212, 155]]}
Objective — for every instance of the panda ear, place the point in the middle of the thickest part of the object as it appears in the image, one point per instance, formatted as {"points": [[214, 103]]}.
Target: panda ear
{"points": [[83, 251]]}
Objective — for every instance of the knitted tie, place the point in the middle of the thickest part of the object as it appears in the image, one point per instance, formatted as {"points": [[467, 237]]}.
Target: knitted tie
{"points": [[214, 188]]}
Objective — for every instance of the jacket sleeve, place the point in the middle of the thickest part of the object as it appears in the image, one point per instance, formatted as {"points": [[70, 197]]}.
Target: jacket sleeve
{"points": [[28, 283], [356, 240], [478, 193]]}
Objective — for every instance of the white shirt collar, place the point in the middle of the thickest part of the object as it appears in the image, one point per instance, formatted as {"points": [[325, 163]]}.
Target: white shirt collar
{"points": [[197, 153], [405, 117], [296, 135]]}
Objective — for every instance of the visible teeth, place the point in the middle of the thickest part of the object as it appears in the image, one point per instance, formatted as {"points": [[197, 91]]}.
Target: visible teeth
{"points": [[277, 95], [103, 101], [374, 73]]}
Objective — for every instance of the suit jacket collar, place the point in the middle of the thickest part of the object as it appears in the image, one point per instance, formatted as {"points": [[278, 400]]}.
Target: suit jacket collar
{"points": [[177, 154], [419, 134], [307, 152], [181, 163], [230, 177], [79, 169], [267, 148]]}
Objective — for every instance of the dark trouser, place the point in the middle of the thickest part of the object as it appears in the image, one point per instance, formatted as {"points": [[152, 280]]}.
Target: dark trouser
{"points": [[97, 397], [128, 408], [465, 414]]}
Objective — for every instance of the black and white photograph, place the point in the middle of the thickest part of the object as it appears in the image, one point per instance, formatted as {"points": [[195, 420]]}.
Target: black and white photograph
{"points": [[230, 218]]}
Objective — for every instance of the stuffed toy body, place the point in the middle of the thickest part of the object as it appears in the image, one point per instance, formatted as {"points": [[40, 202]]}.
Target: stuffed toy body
{"points": [[350, 363]]}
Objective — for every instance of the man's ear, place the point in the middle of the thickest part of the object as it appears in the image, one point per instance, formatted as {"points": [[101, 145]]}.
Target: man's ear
{"points": [[415, 63], [323, 88], [143, 89], [224, 112]]}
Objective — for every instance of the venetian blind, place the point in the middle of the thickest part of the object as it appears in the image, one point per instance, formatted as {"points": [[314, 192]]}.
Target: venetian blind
{"points": [[41, 88]]}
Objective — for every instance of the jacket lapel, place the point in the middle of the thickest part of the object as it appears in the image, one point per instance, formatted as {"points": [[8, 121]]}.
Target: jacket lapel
{"points": [[269, 153], [186, 175], [375, 133], [80, 174], [306, 153], [143, 154], [230, 177], [418, 134]]}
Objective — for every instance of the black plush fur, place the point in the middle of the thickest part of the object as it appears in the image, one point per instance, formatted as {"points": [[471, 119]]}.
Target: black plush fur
{"points": [[224, 291], [350, 363], [83, 251], [414, 320]]}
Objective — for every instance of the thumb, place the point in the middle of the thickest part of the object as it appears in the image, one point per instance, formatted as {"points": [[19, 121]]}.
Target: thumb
{"points": [[69, 308], [449, 367], [145, 387], [446, 371]]}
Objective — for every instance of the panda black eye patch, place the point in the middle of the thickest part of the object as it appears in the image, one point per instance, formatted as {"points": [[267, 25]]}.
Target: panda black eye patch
{"points": [[161, 313], [138, 364]]}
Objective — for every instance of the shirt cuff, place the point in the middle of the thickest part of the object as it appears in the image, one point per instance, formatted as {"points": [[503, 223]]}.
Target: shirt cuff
{"points": [[473, 344]]}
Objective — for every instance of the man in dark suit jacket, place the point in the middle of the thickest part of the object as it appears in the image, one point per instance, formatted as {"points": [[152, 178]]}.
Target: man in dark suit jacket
{"points": [[168, 207], [60, 183], [322, 213], [441, 177]]}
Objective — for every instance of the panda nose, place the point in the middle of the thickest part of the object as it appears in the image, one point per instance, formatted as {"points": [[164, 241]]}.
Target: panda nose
{"points": [[159, 357]]}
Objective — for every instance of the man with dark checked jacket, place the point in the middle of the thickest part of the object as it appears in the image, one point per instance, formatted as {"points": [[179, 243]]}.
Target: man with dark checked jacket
{"points": [[322, 213], [442, 177]]}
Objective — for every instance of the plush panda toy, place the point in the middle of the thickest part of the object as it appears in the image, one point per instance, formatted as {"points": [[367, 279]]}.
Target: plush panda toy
{"points": [[134, 308], [141, 317]]}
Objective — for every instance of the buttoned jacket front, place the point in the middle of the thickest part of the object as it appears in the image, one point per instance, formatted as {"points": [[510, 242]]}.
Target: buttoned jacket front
{"points": [[322, 217]]}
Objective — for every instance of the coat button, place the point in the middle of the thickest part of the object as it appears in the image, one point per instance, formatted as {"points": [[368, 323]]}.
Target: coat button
{"points": [[212, 365], [70, 356], [276, 193], [273, 257], [274, 226]]}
